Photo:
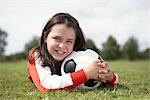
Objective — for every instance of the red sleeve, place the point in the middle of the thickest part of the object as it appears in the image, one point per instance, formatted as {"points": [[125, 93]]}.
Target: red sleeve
{"points": [[78, 78]]}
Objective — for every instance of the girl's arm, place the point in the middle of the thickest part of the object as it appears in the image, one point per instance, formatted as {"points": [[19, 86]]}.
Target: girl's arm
{"points": [[58, 82]]}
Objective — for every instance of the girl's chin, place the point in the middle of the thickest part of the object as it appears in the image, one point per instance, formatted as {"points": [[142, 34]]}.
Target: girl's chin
{"points": [[58, 58]]}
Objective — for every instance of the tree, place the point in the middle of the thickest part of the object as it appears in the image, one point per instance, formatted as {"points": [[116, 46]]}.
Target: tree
{"points": [[130, 49], [3, 43], [110, 49], [147, 53], [144, 54], [32, 43], [91, 45]]}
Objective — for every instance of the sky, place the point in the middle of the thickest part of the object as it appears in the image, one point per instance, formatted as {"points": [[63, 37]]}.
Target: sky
{"points": [[23, 19]]}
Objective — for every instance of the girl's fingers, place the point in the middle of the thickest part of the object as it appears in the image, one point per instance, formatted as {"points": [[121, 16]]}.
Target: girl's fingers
{"points": [[104, 75], [103, 71], [101, 77]]}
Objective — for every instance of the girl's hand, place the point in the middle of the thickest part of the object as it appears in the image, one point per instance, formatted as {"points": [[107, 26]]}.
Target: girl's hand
{"points": [[92, 70], [98, 70], [105, 74]]}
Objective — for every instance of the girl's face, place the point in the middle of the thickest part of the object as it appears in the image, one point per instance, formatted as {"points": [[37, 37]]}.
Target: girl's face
{"points": [[60, 41]]}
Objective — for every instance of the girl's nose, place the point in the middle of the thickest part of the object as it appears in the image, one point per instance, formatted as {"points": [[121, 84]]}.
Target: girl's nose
{"points": [[61, 45]]}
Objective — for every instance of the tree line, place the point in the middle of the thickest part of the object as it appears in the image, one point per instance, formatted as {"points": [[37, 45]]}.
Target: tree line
{"points": [[110, 50]]}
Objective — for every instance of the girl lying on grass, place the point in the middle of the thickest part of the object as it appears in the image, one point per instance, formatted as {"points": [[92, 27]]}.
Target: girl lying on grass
{"points": [[60, 36]]}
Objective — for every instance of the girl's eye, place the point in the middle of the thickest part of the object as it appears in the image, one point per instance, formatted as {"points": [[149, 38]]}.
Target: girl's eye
{"points": [[70, 42], [56, 38]]}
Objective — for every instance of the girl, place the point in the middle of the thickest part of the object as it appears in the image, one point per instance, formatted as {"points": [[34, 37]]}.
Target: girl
{"points": [[60, 36]]}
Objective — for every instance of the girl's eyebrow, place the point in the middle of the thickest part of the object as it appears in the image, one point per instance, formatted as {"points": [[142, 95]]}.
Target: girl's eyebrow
{"points": [[56, 36], [71, 39]]}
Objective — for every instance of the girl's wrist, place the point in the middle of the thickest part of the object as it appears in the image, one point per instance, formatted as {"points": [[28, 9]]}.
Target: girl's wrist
{"points": [[112, 81], [86, 73]]}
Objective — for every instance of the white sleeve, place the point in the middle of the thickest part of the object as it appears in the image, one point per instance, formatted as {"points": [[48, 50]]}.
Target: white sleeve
{"points": [[49, 81]]}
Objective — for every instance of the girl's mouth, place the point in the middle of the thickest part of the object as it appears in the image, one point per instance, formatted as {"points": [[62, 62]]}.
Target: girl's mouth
{"points": [[60, 52]]}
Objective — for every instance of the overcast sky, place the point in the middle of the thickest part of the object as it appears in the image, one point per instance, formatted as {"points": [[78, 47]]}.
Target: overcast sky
{"points": [[23, 19]]}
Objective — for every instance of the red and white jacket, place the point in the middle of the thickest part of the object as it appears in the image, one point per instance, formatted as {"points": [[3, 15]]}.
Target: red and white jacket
{"points": [[44, 81]]}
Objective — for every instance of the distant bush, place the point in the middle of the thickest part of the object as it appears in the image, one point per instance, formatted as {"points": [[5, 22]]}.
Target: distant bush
{"points": [[13, 57]]}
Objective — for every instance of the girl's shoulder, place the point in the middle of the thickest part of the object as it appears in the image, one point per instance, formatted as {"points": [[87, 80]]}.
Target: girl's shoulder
{"points": [[32, 55]]}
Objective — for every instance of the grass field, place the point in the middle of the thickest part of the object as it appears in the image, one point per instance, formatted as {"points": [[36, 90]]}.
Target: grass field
{"points": [[134, 84]]}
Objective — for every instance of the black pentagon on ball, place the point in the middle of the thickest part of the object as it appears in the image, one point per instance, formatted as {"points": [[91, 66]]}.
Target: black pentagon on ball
{"points": [[90, 83], [69, 66]]}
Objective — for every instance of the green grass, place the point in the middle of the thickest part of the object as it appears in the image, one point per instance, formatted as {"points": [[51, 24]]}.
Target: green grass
{"points": [[134, 84]]}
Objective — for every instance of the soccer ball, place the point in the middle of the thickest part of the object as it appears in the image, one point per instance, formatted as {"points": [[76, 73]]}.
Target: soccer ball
{"points": [[76, 61]]}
